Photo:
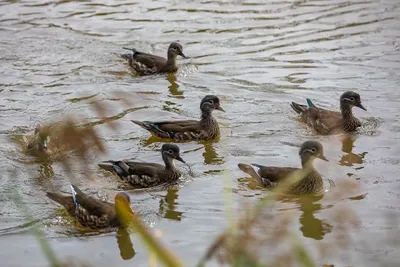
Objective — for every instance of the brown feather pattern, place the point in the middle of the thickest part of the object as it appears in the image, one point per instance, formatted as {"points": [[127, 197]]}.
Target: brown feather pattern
{"points": [[143, 174], [270, 177], [147, 64], [205, 129], [325, 121], [90, 212]]}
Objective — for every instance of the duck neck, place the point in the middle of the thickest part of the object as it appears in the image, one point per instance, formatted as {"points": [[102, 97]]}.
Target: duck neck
{"points": [[206, 115], [307, 163], [169, 162], [346, 112], [171, 59]]}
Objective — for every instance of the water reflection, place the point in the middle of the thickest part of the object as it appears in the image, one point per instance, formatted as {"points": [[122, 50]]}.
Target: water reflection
{"points": [[125, 244], [311, 226], [210, 155], [350, 158], [174, 86], [46, 170], [168, 205]]}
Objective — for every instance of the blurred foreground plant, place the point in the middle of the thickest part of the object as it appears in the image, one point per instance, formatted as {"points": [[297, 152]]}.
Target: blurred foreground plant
{"points": [[262, 236], [70, 143]]}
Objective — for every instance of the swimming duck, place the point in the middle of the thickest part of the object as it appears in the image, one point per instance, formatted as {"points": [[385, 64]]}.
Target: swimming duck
{"points": [[205, 129], [143, 174], [37, 144], [328, 122], [271, 176], [146, 64], [88, 211]]}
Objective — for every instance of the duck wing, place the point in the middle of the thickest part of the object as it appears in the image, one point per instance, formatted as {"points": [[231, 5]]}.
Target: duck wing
{"points": [[125, 168], [266, 176], [172, 129], [321, 120], [92, 205], [66, 201], [149, 60], [274, 174]]}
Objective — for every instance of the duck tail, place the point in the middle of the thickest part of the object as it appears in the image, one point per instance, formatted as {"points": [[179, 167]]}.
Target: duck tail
{"points": [[63, 200], [108, 165], [129, 56], [119, 167], [145, 125], [133, 50], [298, 108], [250, 171], [310, 103]]}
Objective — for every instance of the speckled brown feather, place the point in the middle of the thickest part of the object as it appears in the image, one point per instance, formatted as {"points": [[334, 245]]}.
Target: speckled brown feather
{"points": [[90, 212], [143, 174], [271, 176], [326, 121], [147, 64], [206, 128], [182, 130]]}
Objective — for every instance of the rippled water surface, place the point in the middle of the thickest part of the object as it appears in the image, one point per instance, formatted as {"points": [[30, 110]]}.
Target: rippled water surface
{"points": [[257, 56]]}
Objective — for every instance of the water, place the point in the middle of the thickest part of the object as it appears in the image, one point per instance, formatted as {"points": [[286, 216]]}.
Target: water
{"points": [[257, 58]]}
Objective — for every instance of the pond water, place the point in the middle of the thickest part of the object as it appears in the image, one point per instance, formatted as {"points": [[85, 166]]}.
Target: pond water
{"points": [[257, 56]]}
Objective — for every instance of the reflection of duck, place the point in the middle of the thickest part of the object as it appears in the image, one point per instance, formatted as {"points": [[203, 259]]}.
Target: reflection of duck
{"points": [[168, 205], [127, 251], [350, 158], [210, 155], [310, 226], [173, 88]]}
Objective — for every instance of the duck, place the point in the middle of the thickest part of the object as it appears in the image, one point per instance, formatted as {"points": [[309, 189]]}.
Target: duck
{"points": [[206, 128], [147, 64], [38, 143], [270, 177], [144, 174], [327, 122], [90, 212]]}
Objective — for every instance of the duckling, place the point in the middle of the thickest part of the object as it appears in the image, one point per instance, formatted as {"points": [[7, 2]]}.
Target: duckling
{"points": [[144, 174], [88, 211], [146, 64], [205, 129], [329, 122], [311, 183]]}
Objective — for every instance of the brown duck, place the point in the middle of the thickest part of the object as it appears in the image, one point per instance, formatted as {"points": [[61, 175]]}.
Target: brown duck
{"points": [[271, 176], [143, 174], [205, 129], [146, 64], [329, 122], [88, 211]]}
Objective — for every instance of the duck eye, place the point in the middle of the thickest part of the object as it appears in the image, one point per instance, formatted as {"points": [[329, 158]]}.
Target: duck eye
{"points": [[313, 150], [352, 98], [211, 102], [170, 152]]}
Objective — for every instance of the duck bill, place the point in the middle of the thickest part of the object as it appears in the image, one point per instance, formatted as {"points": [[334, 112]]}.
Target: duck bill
{"points": [[180, 159], [323, 157], [45, 144], [183, 55], [220, 109], [361, 106]]}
